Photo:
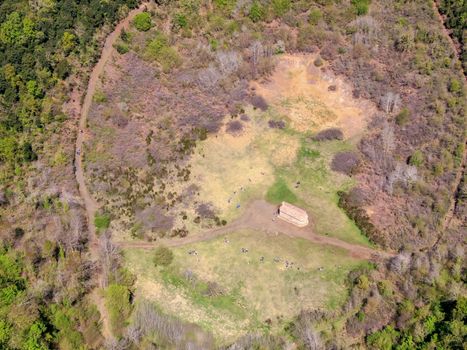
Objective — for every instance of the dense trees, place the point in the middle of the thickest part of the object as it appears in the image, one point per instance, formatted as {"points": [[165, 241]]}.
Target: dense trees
{"points": [[38, 43]]}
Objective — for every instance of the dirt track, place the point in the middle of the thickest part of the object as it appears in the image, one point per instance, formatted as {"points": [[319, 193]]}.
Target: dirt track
{"points": [[90, 204], [260, 215]]}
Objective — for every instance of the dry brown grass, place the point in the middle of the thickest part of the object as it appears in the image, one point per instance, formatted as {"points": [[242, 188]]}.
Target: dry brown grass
{"points": [[299, 91]]}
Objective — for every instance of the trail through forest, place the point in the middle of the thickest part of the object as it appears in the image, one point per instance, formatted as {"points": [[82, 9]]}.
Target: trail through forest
{"points": [[90, 204]]}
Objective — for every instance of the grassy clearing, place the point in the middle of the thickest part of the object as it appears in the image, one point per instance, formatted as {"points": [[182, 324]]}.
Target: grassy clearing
{"points": [[280, 192], [230, 292]]}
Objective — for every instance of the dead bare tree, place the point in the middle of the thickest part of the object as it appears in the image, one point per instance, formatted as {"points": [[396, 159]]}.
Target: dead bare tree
{"points": [[366, 30], [228, 62], [403, 173], [390, 102], [109, 255], [310, 338]]}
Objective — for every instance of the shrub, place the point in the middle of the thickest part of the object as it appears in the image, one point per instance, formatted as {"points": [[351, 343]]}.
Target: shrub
{"points": [[158, 49], [455, 86], [256, 13], [363, 282], [258, 102], [361, 6], [280, 7], [276, 124], [329, 134], [180, 21], [345, 162], [122, 48], [102, 222], [234, 127], [142, 21], [117, 302], [357, 214], [99, 97], [318, 62], [416, 158], [403, 117], [314, 16], [163, 256]]}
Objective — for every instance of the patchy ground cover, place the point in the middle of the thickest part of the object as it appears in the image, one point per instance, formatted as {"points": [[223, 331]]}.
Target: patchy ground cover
{"points": [[229, 292], [191, 178]]}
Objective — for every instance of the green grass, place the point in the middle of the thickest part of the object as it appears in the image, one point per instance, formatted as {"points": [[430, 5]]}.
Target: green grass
{"points": [[280, 192], [101, 221], [252, 291]]}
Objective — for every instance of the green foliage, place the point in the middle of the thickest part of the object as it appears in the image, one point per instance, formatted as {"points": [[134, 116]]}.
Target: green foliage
{"points": [[363, 282], [180, 21], [257, 12], [314, 16], [99, 97], [279, 192], [384, 339], [37, 338], [416, 158], [17, 30], [361, 6], [455, 86], [308, 153], [117, 302], [163, 256], [158, 49], [280, 7], [122, 48], [34, 41], [142, 21], [403, 117], [102, 221]]}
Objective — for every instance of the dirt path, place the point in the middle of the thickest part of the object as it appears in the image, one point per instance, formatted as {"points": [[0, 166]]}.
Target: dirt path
{"points": [[90, 204], [460, 172], [260, 215]]}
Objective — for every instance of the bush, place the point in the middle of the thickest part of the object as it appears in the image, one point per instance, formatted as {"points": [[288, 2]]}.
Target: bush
{"points": [[314, 16], [345, 162], [180, 21], [122, 48], [102, 222], [329, 134], [142, 21], [361, 6], [280, 7], [158, 49], [455, 86], [117, 302], [259, 102], [403, 117], [416, 158], [163, 256], [318, 62], [256, 13]]}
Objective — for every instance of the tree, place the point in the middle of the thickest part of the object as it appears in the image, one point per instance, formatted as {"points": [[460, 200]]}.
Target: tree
{"points": [[384, 339], [142, 21], [163, 256]]}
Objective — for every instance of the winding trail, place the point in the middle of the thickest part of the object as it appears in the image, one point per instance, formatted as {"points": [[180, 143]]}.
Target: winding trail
{"points": [[261, 216], [90, 204], [462, 167]]}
